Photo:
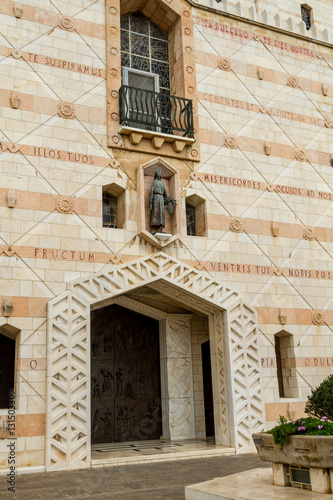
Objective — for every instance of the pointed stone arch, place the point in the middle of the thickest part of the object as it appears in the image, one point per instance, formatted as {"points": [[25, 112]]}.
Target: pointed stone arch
{"points": [[235, 343]]}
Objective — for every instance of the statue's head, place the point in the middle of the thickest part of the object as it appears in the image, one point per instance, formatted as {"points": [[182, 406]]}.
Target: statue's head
{"points": [[158, 173]]}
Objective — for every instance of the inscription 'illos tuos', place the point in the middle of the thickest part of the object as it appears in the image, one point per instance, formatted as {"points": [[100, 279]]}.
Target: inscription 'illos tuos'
{"points": [[63, 155]]}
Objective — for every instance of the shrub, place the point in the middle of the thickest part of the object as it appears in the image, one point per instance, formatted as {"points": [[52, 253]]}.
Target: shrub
{"points": [[320, 402], [303, 426]]}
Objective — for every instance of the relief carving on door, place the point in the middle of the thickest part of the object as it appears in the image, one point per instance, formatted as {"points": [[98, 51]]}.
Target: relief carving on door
{"points": [[125, 376]]}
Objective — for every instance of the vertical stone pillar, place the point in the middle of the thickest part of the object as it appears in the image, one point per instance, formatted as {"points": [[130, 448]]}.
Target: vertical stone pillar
{"points": [[219, 383], [320, 480], [177, 377], [280, 474]]}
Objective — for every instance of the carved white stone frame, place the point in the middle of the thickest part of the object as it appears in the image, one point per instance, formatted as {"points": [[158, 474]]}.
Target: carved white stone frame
{"points": [[236, 368]]}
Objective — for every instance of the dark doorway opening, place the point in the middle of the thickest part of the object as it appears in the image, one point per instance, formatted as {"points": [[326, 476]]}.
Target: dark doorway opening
{"points": [[125, 376], [208, 389], [7, 369]]}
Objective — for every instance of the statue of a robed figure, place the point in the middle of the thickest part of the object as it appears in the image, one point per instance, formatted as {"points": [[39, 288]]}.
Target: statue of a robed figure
{"points": [[158, 198]]}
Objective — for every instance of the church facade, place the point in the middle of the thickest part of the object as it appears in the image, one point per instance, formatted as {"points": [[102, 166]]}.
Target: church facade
{"points": [[166, 221]]}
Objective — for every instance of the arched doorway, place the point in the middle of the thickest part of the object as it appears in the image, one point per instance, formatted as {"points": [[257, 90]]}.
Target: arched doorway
{"points": [[238, 400]]}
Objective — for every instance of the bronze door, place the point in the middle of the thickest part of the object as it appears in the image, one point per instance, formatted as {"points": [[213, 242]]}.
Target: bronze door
{"points": [[125, 376]]}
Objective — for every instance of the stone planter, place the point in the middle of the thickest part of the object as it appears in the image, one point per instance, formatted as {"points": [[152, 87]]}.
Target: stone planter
{"points": [[310, 456]]}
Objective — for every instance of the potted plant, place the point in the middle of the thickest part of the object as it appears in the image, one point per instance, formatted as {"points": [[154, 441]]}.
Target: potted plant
{"points": [[301, 451]]}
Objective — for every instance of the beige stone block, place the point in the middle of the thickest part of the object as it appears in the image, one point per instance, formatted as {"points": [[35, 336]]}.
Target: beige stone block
{"points": [[320, 480], [280, 474]]}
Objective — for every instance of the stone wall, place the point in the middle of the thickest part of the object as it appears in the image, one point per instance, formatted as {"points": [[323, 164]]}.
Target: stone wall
{"points": [[264, 125]]}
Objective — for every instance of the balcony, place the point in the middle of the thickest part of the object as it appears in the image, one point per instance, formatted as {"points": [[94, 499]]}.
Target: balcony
{"points": [[155, 115]]}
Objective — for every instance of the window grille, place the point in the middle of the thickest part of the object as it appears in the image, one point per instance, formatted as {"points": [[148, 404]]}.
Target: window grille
{"points": [[190, 220], [109, 210], [306, 17]]}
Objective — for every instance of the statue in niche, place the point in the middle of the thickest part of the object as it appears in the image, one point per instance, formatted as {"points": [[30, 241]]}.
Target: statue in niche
{"points": [[158, 198]]}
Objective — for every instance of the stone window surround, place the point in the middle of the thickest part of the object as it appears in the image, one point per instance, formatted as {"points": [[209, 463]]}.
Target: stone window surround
{"points": [[183, 83]]}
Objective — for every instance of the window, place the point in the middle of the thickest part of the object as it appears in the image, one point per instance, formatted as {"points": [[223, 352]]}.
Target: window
{"points": [[195, 215], [114, 206], [109, 210], [144, 47], [306, 15], [7, 368], [190, 220], [285, 365]]}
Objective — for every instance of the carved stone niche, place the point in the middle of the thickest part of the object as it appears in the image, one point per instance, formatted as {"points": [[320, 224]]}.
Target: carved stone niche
{"points": [[170, 177]]}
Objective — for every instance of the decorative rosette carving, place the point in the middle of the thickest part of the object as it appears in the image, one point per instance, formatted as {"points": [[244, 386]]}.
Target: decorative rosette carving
{"points": [[225, 63], [66, 110], [187, 31], [230, 141], [115, 117], [292, 81], [194, 153], [308, 233], [114, 72], [189, 69], [114, 51], [318, 318], [300, 154], [186, 13], [65, 204], [115, 139], [113, 10], [66, 23], [188, 49], [190, 89], [236, 225], [114, 94], [113, 30]]}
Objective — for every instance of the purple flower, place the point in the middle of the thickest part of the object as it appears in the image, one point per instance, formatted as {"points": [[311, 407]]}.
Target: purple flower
{"points": [[294, 423], [299, 429], [303, 428], [320, 426], [325, 419], [303, 423]]}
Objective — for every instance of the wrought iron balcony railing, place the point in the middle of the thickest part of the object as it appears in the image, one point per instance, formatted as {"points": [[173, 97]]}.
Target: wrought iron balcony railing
{"points": [[155, 111]]}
